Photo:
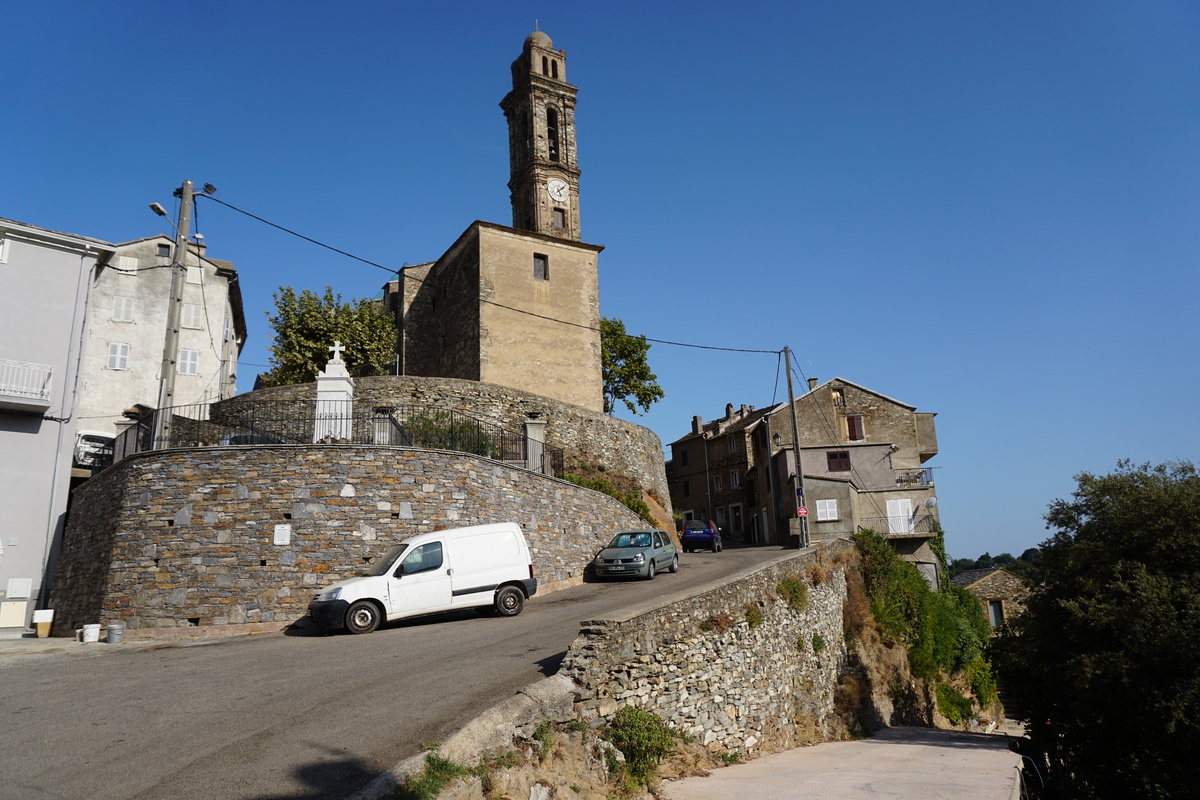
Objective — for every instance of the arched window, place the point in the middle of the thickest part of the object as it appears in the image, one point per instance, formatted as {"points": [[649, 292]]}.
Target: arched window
{"points": [[545, 69], [552, 133], [554, 69]]}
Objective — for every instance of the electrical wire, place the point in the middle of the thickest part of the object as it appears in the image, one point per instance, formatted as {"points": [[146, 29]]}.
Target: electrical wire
{"points": [[460, 293]]}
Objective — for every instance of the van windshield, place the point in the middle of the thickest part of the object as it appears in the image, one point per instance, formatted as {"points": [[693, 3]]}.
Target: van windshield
{"points": [[380, 564]]}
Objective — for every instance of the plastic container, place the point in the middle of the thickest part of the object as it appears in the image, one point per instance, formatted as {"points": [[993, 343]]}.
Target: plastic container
{"points": [[91, 633], [116, 633]]}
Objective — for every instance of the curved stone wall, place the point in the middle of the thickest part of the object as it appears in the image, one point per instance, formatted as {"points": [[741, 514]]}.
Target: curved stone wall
{"points": [[587, 436], [183, 538]]}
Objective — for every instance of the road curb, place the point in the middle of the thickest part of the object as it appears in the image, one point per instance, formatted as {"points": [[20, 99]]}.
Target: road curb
{"points": [[551, 699]]}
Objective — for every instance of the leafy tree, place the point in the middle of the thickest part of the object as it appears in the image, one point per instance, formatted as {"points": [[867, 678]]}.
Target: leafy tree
{"points": [[627, 375], [1104, 663], [306, 325]]}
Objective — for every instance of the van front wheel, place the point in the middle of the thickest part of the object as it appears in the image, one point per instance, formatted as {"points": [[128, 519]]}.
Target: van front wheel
{"points": [[362, 617], [509, 601]]}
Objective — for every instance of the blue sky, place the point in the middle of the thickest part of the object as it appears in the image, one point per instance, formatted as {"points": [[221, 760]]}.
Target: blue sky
{"points": [[990, 210]]}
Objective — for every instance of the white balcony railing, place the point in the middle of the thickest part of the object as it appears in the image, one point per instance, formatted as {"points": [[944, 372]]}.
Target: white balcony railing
{"points": [[25, 379]]}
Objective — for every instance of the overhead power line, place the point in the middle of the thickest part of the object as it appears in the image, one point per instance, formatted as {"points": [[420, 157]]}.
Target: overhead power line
{"points": [[391, 271]]}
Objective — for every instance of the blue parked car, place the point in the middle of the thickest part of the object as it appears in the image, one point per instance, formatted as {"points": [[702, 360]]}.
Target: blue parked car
{"points": [[700, 534], [637, 553]]}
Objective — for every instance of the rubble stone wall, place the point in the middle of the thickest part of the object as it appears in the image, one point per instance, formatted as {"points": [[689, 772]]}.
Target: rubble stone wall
{"points": [[188, 537], [733, 667], [587, 436]]}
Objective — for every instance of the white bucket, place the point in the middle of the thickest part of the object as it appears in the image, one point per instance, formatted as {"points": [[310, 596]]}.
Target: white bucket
{"points": [[91, 633]]}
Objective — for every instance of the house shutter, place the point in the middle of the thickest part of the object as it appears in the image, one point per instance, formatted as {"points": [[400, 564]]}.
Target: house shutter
{"points": [[900, 519]]}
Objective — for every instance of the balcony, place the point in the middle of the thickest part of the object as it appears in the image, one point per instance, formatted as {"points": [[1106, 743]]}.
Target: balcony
{"points": [[917, 525], [24, 386], [914, 477]]}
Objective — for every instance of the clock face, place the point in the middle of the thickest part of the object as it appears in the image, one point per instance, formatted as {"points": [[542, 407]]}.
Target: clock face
{"points": [[558, 190]]}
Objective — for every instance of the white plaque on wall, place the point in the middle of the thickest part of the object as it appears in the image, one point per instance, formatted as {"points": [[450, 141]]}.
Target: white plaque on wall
{"points": [[283, 534]]}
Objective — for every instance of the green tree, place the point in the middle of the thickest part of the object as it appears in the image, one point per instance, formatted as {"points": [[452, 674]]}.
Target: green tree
{"points": [[305, 325], [627, 375], [1104, 663]]}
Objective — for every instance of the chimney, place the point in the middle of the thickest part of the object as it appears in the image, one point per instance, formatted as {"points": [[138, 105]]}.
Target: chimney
{"points": [[697, 424], [812, 384]]}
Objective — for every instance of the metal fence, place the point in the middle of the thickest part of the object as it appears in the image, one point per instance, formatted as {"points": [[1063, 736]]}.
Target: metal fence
{"points": [[308, 422], [25, 379], [900, 525]]}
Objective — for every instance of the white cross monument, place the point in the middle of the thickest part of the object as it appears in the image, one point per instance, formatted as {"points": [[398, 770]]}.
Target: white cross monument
{"points": [[335, 400]]}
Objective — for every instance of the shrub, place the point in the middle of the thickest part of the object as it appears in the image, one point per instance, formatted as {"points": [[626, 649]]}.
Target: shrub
{"points": [[754, 616], [819, 571], [952, 705], [631, 500], [721, 623], [431, 780], [818, 643], [544, 736], [794, 592], [643, 738]]}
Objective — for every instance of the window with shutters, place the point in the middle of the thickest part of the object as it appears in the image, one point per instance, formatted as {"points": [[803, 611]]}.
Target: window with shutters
{"points": [[838, 461], [195, 275], [189, 362], [127, 266], [193, 316], [827, 510], [854, 428], [118, 355], [122, 309]]}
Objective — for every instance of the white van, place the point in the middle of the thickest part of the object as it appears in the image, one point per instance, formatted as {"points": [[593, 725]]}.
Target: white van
{"points": [[480, 566]]}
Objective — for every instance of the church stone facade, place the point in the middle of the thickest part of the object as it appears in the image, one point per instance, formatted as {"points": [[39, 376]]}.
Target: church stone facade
{"points": [[516, 306]]}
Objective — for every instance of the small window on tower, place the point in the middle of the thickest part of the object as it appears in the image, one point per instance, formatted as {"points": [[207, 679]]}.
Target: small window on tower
{"points": [[552, 133], [541, 267], [560, 219], [545, 71], [554, 69]]}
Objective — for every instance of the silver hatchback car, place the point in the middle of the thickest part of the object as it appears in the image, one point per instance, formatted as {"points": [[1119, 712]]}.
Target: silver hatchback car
{"points": [[637, 553]]}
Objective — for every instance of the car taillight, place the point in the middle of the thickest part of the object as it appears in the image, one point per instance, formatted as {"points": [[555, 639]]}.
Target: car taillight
{"points": [[531, 570]]}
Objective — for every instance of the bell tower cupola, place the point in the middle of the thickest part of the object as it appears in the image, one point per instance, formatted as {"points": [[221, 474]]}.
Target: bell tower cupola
{"points": [[543, 172]]}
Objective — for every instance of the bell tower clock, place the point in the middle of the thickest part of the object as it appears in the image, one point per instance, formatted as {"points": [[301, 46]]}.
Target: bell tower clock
{"points": [[543, 172]]}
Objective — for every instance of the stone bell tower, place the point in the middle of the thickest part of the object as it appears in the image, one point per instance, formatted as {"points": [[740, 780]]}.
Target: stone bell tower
{"points": [[543, 170]]}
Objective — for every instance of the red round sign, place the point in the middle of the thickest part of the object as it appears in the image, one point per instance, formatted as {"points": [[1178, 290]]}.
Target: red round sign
{"points": [[802, 511]]}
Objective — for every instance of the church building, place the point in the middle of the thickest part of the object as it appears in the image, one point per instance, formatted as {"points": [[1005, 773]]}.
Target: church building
{"points": [[516, 306]]}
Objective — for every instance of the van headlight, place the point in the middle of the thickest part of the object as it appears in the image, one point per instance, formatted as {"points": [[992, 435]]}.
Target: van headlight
{"points": [[330, 594], [638, 558]]}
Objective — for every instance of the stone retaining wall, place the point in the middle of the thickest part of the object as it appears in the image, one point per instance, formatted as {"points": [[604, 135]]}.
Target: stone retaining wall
{"points": [[587, 436], [702, 666], [186, 537]]}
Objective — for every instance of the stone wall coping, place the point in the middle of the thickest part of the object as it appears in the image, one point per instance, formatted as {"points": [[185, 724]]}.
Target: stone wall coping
{"points": [[650, 606]]}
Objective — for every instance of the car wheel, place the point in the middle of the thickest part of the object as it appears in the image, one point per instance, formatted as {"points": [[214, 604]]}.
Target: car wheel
{"points": [[362, 617], [509, 601], [674, 564], [650, 571]]}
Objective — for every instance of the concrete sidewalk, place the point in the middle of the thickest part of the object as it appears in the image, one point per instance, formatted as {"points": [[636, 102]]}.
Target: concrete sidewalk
{"points": [[901, 763]]}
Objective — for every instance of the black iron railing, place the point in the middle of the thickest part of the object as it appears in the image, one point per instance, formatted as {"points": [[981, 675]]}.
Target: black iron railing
{"points": [[325, 422]]}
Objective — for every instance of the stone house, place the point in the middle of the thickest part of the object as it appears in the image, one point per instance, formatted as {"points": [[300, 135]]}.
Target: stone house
{"points": [[1001, 592], [862, 456], [123, 351], [45, 300]]}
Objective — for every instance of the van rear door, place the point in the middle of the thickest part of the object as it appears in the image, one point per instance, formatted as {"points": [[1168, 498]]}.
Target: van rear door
{"points": [[420, 582]]}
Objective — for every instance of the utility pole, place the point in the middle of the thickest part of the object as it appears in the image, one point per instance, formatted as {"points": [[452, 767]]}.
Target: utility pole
{"points": [[799, 476], [166, 389]]}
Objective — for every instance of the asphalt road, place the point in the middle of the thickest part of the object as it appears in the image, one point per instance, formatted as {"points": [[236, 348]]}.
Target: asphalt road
{"points": [[290, 715]]}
